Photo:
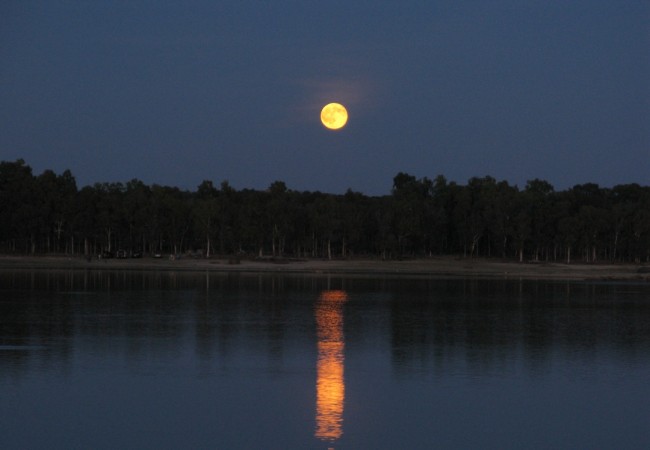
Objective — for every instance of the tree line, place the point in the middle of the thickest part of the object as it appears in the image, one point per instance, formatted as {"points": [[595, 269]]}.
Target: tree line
{"points": [[422, 217]]}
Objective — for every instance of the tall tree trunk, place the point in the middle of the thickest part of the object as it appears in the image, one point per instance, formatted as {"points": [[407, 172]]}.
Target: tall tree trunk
{"points": [[109, 233], [615, 246]]}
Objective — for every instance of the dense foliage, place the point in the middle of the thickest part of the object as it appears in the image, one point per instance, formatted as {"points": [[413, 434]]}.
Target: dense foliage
{"points": [[48, 214]]}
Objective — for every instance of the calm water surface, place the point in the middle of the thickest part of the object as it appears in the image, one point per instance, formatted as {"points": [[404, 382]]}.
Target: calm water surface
{"points": [[108, 360]]}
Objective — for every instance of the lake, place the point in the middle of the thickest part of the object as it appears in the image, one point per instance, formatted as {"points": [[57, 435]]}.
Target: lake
{"points": [[170, 360]]}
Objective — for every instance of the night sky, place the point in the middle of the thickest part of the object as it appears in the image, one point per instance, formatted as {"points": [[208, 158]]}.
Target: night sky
{"points": [[177, 92]]}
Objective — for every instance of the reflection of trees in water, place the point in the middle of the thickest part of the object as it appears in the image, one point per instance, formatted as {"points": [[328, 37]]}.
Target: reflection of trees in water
{"points": [[265, 314], [35, 330], [432, 323], [46, 312], [488, 325]]}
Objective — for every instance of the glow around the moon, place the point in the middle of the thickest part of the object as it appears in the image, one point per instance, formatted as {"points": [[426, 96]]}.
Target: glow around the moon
{"points": [[334, 116]]}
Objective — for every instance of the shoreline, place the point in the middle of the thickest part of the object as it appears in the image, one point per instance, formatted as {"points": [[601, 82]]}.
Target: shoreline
{"points": [[435, 267]]}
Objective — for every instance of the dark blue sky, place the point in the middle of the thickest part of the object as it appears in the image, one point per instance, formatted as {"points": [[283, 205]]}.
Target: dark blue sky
{"points": [[178, 92]]}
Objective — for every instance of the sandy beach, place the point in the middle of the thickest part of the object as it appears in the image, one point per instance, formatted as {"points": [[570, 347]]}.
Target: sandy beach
{"points": [[441, 267]]}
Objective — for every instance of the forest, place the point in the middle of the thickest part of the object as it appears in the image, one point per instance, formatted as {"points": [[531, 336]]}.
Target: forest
{"points": [[48, 214]]}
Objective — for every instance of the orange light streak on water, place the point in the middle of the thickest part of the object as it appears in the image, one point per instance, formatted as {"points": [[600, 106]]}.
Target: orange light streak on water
{"points": [[330, 383]]}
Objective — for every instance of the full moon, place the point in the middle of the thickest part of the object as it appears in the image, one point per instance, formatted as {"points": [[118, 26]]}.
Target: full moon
{"points": [[334, 116]]}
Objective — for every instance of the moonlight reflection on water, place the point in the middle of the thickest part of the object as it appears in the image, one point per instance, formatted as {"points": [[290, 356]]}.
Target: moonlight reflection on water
{"points": [[330, 383], [117, 359]]}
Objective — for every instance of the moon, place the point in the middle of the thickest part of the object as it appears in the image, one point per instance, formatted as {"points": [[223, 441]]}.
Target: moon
{"points": [[334, 116]]}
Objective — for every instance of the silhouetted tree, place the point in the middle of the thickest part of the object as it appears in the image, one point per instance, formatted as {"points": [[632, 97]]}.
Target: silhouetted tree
{"points": [[421, 217]]}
